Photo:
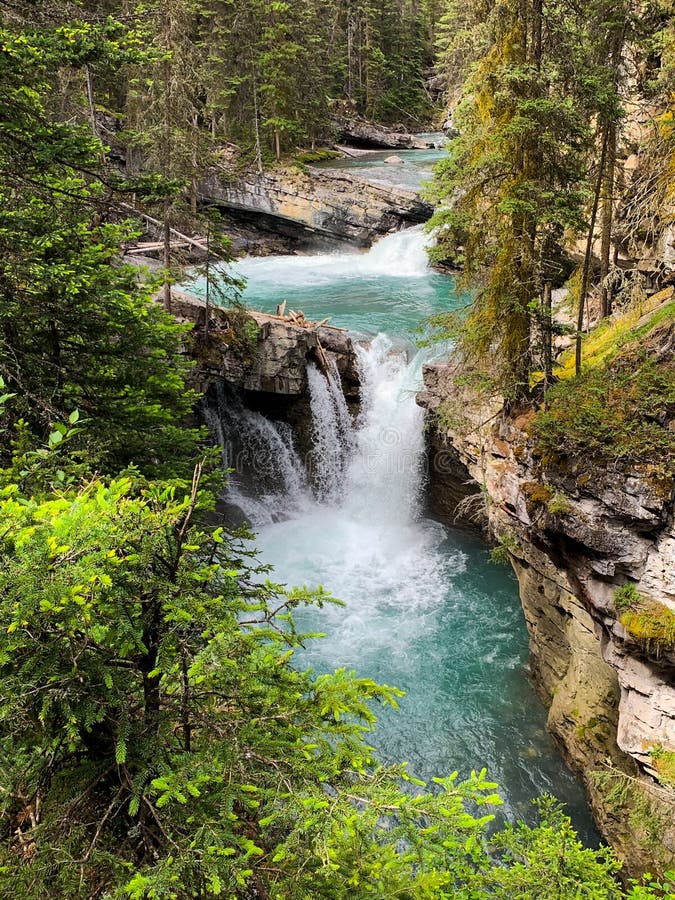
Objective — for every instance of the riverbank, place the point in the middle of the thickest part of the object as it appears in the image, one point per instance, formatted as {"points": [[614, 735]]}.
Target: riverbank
{"points": [[581, 533]]}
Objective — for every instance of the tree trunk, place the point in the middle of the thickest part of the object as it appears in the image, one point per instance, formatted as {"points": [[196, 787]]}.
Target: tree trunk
{"points": [[537, 16], [547, 332], [350, 53], [90, 101], [256, 127], [585, 277], [195, 165], [166, 256], [207, 312], [151, 682], [369, 105], [607, 216], [166, 154]]}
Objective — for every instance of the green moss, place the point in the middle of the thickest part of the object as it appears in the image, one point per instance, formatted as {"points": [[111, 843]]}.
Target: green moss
{"points": [[646, 815], [605, 341], [559, 505], [307, 157], [237, 332], [537, 492], [652, 623], [664, 764]]}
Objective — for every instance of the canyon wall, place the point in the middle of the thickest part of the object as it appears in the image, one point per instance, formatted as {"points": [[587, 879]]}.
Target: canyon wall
{"points": [[575, 535]]}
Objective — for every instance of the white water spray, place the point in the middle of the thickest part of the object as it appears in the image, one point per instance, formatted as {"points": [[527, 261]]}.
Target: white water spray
{"points": [[399, 255], [332, 432], [385, 476]]}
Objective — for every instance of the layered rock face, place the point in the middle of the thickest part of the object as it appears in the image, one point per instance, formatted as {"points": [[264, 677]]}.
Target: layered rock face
{"points": [[262, 353], [361, 133], [575, 534], [336, 205]]}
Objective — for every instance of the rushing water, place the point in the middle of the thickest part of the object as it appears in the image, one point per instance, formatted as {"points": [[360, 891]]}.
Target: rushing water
{"points": [[390, 288], [425, 609], [413, 169]]}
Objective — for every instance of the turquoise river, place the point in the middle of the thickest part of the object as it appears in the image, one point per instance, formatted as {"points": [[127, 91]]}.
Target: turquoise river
{"points": [[425, 610]]}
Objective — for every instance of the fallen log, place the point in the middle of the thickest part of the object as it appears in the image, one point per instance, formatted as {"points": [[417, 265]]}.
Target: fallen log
{"points": [[193, 242]]}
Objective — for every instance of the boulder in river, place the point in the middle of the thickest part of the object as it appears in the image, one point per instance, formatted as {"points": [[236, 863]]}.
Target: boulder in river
{"points": [[394, 161]]}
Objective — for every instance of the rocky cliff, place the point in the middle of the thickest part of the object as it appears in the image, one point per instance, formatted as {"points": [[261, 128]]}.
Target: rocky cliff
{"points": [[338, 206], [581, 538], [261, 353]]}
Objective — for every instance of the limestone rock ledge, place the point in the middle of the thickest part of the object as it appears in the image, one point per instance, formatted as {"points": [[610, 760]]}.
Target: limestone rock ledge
{"points": [[362, 133], [262, 353], [339, 206], [574, 535]]}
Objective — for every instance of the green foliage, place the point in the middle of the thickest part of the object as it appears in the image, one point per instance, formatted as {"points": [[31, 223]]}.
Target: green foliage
{"points": [[650, 887], [618, 412], [550, 862], [511, 188], [158, 740], [262, 74], [626, 597], [501, 554], [539, 82], [79, 331]]}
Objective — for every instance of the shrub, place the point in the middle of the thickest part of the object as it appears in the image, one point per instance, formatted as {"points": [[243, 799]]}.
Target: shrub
{"points": [[626, 598]]}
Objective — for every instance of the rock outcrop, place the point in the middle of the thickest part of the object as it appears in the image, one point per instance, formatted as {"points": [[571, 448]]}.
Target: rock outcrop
{"points": [[333, 205], [262, 353], [575, 535], [361, 133]]}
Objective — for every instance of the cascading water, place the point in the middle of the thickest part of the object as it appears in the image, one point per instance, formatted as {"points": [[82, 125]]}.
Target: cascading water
{"points": [[332, 432], [253, 445], [398, 255], [424, 610], [364, 538], [385, 476], [390, 288]]}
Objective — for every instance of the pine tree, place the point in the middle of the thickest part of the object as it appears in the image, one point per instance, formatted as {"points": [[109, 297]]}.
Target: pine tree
{"points": [[515, 183], [78, 332]]}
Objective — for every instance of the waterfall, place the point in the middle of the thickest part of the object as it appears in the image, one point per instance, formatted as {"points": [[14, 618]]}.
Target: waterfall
{"points": [[385, 475], [372, 468], [399, 255], [332, 432], [361, 533], [267, 481]]}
